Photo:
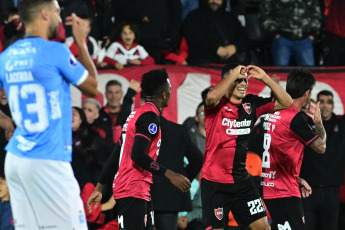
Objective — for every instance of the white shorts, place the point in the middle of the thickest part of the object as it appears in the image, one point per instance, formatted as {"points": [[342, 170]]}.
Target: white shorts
{"points": [[44, 194]]}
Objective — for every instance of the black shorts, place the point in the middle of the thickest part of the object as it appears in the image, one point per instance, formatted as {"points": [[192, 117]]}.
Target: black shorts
{"points": [[286, 213], [134, 214], [242, 199]]}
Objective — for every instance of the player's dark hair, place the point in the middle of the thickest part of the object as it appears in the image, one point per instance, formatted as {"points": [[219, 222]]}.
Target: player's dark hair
{"points": [[227, 68], [111, 83], [133, 27], [28, 9], [324, 92], [154, 83], [299, 81], [205, 92]]}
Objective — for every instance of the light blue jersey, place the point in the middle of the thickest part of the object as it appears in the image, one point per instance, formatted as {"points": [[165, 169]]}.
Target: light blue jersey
{"points": [[36, 74]]}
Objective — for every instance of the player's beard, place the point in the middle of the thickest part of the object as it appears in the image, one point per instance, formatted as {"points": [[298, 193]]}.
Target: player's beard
{"points": [[53, 31]]}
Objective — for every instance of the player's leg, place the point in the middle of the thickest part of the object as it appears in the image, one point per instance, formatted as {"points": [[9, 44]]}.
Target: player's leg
{"points": [[260, 224], [248, 209], [287, 213], [150, 217], [214, 205], [54, 194], [24, 216], [131, 213]]}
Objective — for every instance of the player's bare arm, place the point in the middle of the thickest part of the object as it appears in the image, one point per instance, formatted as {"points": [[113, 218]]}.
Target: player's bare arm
{"points": [[284, 100], [79, 27], [319, 145], [226, 85]]}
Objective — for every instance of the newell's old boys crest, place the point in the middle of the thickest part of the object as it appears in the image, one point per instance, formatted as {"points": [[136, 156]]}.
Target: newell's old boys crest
{"points": [[219, 213], [247, 107]]}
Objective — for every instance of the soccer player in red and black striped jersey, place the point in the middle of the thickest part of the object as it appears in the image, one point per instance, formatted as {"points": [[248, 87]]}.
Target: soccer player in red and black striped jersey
{"points": [[287, 134], [136, 158], [229, 117]]}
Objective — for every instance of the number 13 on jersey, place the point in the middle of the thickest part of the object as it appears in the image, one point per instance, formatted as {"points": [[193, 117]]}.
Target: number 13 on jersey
{"points": [[34, 98]]}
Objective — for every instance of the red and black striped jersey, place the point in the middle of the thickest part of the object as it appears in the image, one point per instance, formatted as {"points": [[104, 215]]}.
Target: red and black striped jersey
{"points": [[287, 134], [132, 180], [228, 126]]}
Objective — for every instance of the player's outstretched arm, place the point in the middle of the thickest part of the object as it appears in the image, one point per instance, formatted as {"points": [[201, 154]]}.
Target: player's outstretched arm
{"points": [[226, 85], [179, 181], [79, 30], [284, 100]]}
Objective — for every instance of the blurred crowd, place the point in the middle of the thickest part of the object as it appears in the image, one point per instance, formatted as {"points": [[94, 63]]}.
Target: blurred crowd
{"points": [[126, 33], [197, 32]]}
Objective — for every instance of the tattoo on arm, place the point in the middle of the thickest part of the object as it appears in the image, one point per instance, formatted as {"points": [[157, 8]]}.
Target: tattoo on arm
{"points": [[320, 130], [318, 146]]}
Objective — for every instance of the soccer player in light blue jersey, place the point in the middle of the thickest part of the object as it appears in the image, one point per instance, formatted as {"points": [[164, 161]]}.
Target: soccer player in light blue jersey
{"points": [[36, 74]]}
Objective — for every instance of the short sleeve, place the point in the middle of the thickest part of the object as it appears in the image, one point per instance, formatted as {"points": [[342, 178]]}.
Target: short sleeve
{"points": [[147, 125], [300, 126], [215, 109], [263, 105], [70, 68]]}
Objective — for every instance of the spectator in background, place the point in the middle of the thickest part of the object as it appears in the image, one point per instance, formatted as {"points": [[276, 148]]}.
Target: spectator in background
{"points": [[334, 49], [87, 165], [86, 161], [13, 28], [114, 112], [4, 108], [158, 21], [91, 43], [188, 6], [196, 128], [191, 122], [214, 35], [294, 24], [179, 56], [325, 173], [126, 50], [91, 109], [79, 7], [168, 200], [6, 6], [192, 220], [103, 20], [6, 219]]}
